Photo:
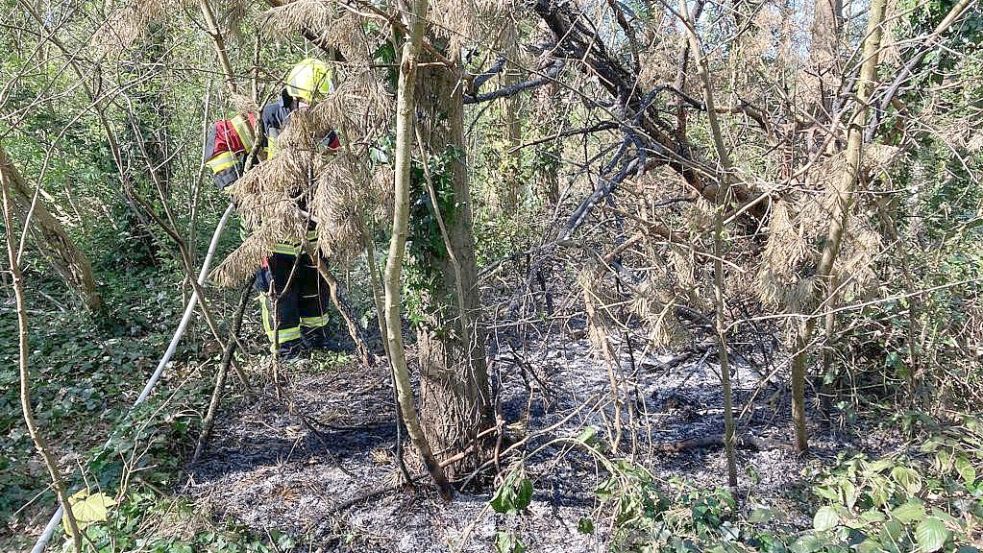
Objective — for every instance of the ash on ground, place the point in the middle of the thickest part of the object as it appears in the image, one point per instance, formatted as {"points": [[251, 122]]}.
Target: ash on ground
{"points": [[267, 468]]}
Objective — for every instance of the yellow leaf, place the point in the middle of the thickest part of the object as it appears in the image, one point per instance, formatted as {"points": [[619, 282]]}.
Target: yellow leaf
{"points": [[88, 508]]}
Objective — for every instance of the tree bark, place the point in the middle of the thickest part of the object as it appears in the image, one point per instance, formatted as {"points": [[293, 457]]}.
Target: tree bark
{"points": [[454, 387], [839, 218], [415, 19], [51, 237]]}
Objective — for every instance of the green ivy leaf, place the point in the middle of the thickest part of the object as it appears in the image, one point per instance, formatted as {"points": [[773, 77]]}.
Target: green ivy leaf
{"points": [[931, 534], [825, 519]]}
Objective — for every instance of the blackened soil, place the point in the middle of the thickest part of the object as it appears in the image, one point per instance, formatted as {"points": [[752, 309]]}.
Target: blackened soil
{"points": [[318, 463]]}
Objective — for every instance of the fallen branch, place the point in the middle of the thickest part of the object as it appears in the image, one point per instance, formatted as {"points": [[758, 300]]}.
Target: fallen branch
{"points": [[742, 442]]}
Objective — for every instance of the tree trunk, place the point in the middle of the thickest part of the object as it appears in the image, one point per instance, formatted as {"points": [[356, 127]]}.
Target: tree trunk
{"points": [[454, 386], [51, 237], [720, 209], [839, 218], [414, 18]]}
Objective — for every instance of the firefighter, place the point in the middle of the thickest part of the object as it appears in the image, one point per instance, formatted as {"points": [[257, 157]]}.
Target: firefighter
{"points": [[294, 301]]}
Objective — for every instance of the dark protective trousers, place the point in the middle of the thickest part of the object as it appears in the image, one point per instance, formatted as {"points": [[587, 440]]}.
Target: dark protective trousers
{"points": [[300, 299]]}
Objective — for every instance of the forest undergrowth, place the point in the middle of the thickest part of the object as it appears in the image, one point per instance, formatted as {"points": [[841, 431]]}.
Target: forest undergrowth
{"points": [[310, 466]]}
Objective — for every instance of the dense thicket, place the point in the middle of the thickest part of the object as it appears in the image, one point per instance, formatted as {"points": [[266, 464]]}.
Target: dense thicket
{"points": [[788, 189]]}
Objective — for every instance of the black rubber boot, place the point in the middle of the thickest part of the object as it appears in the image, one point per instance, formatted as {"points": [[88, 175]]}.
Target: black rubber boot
{"points": [[318, 338], [291, 350]]}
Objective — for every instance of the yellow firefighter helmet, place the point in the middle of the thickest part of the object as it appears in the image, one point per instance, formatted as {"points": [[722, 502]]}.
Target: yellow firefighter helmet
{"points": [[310, 80]]}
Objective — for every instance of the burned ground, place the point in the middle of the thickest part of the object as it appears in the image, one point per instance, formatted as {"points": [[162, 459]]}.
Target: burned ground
{"points": [[330, 481]]}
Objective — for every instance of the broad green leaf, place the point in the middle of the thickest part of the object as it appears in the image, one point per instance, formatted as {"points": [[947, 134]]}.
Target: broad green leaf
{"points": [[880, 490], [864, 520], [503, 499], [944, 516], [930, 535], [943, 458], [585, 525], [826, 518], [908, 478], [826, 492], [507, 542], [524, 495], [808, 544], [512, 496], [873, 516], [892, 532], [966, 470], [881, 465], [909, 512], [850, 494], [870, 545]]}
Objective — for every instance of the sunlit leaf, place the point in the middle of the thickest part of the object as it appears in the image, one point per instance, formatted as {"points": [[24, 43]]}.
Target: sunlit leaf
{"points": [[88, 508], [909, 512], [826, 518], [808, 544], [910, 480], [930, 534], [966, 470]]}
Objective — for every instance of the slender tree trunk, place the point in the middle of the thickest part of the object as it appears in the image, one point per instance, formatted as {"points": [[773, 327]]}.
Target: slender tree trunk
{"points": [[51, 237], [722, 197], [414, 17], [6, 180], [454, 380], [840, 216], [211, 27]]}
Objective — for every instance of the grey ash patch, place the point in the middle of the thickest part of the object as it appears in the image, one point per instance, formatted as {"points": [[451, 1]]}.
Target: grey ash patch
{"points": [[265, 468]]}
